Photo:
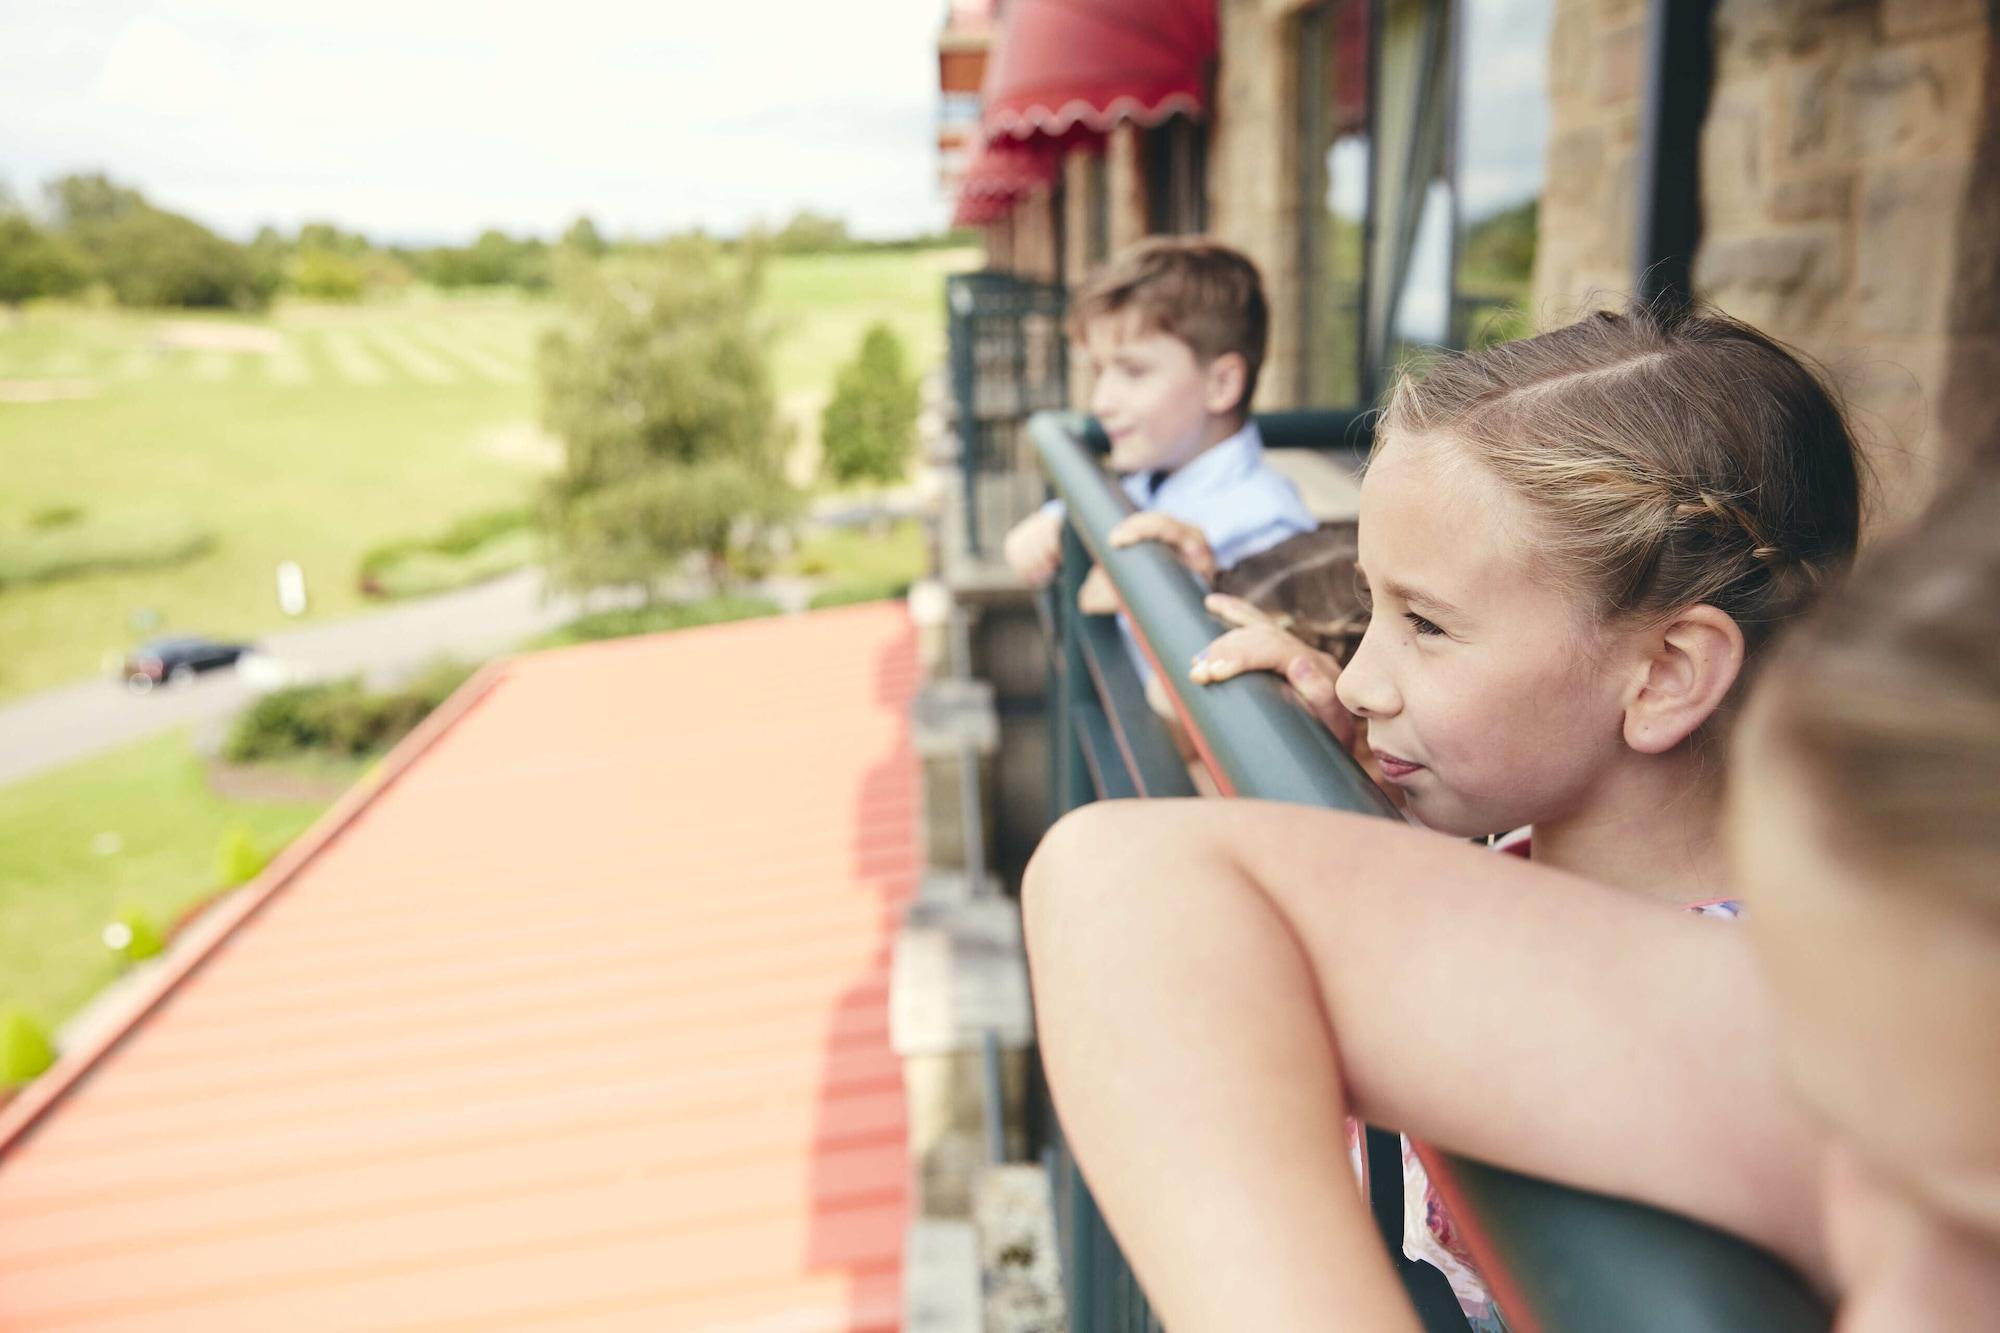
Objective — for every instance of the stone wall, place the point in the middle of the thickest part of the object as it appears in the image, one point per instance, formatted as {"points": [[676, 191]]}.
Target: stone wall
{"points": [[1253, 179], [1586, 221], [1851, 205]]}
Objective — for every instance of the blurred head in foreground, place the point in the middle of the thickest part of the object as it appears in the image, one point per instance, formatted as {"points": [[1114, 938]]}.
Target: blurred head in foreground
{"points": [[1865, 823]]}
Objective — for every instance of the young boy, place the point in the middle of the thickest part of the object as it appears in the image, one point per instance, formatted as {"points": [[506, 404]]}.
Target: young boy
{"points": [[1175, 330]]}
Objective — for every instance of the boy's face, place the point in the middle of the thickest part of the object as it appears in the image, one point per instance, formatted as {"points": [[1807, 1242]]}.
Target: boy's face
{"points": [[1159, 404]]}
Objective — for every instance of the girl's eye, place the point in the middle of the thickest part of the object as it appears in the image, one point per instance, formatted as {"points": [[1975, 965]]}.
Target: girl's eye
{"points": [[1421, 625]]}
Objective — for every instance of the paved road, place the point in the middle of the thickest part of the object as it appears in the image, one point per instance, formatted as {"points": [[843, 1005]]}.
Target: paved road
{"points": [[55, 727]]}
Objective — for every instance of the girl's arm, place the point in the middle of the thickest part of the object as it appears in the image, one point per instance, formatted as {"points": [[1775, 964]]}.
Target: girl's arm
{"points": [[1219, 983]]}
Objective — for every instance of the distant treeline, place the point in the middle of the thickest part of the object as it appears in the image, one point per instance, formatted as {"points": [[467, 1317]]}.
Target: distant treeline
{"points": [[96, 234]]}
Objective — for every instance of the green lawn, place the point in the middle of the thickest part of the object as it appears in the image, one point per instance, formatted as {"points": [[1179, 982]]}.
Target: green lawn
{"points": [[310, 436], [318, 431], [61, 882]]}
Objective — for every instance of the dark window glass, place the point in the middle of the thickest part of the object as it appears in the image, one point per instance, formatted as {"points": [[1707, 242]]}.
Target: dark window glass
{"points": [[1176, 157], [1334, 72]]}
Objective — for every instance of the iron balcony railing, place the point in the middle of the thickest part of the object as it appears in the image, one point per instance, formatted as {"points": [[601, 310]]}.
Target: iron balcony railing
{"points": [[1575, 1261]]}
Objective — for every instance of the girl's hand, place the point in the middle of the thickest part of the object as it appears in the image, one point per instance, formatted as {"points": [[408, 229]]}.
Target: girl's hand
{"points": [[1260, 643], [1184, 539]]}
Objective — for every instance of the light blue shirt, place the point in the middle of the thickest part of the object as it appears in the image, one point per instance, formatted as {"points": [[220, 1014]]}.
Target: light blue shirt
{"points": [[1241, 504]]}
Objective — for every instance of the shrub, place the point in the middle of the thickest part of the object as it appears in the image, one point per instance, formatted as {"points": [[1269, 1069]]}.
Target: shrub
{"points": [[62, 545], [323, 275], [238, 860], [34, 262], [134, 936], [860, 590], [656, 618], [475, 548], [338, 717], [25, 1049]]}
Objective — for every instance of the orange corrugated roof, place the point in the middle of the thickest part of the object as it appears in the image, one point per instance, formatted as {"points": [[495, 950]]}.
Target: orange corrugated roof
{"points": [[577, 1020]]}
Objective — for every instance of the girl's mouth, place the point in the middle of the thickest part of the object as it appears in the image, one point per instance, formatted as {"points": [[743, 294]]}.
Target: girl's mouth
{"points": [[1395, 769]]}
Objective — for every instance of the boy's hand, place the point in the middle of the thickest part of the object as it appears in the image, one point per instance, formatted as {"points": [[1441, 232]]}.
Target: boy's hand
{"points": [[1096, 596], [1185, 539], [1034, 548], [1260, 643]]}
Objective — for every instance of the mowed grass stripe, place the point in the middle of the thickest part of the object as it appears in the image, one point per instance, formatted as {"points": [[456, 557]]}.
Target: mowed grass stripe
{"points": [[351, 360], [480, 361], [412, 359], [287, 363], [214, 366]]}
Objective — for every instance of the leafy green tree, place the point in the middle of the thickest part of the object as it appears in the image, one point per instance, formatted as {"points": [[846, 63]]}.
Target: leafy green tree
{"points": [[327, 275], [658, 385], [84, 199], [34, 262], [582, 237], [811, 233], [869, 428]]}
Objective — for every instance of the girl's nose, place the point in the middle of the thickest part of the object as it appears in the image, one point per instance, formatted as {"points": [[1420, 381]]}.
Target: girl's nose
{"points": [[1364, 688]]}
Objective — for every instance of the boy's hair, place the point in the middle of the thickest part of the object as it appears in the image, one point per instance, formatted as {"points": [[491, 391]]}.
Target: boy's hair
{"points": [[1676, 457], [1888, 700], [1188, 287]]}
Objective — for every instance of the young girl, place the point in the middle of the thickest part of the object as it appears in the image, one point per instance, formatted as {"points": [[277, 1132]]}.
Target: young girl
{"points": [[1574, 544], [1865, 819]]}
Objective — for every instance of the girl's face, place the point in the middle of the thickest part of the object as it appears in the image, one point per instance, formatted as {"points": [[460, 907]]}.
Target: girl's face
{"points": [[1887, 999], [1489, 694]]}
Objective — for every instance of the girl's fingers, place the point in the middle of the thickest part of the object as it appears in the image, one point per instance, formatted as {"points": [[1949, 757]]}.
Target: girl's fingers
{"points": [[1258, 648], [1234, 611]]}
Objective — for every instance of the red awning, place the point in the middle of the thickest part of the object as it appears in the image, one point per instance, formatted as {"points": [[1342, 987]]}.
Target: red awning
{"points": [[1065, 65], [998, 175]]}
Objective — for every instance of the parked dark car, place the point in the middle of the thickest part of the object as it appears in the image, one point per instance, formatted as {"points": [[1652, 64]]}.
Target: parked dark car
{"points": [[177, 660]]}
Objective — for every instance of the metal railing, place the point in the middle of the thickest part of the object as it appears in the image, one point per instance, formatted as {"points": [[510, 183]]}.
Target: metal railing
{"points": [[1574, 1261]]}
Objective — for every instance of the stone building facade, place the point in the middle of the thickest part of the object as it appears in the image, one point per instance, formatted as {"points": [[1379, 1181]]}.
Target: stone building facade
{"points": [[1849, 188]]}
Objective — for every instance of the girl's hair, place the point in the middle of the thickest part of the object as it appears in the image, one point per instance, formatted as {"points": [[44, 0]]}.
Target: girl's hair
{"points": [[1675, 456], [1888, 699]]}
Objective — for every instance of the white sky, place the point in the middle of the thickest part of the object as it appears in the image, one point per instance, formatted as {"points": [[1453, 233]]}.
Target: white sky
{"points": [[429, 120]]}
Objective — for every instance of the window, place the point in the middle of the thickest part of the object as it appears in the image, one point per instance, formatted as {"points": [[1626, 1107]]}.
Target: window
{"points": [[1176, 155], [1097, 208], [1421, 177]]}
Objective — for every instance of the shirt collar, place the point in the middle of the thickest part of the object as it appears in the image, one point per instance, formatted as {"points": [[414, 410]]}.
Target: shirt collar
{"points": [[1216, 466]]}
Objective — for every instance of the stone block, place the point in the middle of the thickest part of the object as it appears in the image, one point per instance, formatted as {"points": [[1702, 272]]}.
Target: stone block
{"points": [[1812, 198], [1014, 1216], [1778, 280], [1916, 100], [1733, 156], [1924, 18], [957, 972], [948, 715], [942, 1286], [1617, 77], [1576, 161], [1904, 267]]}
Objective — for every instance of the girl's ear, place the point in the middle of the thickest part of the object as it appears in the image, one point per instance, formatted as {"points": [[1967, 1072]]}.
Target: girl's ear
{"points": [[1223, 386], [1690, 665]]}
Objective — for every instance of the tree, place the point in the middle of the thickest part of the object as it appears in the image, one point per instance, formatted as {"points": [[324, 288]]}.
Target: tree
{"points": [[582, 237], [151, 257], [811, 233], [34, 262], [869, 428], [327, 275], [82, 199], [659, 388]]}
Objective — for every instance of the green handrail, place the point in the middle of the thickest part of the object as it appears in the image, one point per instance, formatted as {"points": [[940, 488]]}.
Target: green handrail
{"points": [[1577, 1261]]}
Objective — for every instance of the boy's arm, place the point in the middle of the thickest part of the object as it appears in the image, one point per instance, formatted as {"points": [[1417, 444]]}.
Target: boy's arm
{"points": [[1034, 547]]}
